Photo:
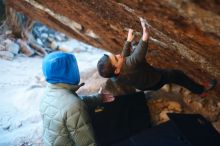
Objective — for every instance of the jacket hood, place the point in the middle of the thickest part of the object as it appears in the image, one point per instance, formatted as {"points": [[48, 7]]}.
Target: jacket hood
{"points": [[60, 67]]}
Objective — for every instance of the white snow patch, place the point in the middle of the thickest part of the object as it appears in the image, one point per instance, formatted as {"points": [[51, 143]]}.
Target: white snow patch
{"points": [[20, 93]]}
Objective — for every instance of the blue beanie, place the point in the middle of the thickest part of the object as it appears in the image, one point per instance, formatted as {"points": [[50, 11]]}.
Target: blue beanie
{"points": [[60, 67]]}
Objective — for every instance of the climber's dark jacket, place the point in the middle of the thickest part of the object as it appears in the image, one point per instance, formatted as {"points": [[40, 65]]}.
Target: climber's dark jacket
{"points": [[135, 70]]}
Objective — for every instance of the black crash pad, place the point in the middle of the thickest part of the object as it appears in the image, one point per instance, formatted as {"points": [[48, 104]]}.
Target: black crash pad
{"points": [[126, 116]]}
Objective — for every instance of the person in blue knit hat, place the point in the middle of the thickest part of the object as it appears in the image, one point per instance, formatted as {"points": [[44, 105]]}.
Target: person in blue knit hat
{"points": [[65, 115]]}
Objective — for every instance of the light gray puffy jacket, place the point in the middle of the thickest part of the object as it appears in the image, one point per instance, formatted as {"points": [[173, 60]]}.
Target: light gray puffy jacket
{"points": [[65, 118]]}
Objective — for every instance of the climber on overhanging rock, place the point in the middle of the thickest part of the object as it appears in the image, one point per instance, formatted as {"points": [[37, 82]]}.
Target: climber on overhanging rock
{"points": [[132, 68]]}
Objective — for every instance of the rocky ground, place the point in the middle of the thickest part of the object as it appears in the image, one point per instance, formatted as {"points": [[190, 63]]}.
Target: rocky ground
{"points": [[178, 100]]}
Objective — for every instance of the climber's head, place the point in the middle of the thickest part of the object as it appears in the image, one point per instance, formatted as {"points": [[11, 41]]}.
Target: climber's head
{"points": [[110, 65]]}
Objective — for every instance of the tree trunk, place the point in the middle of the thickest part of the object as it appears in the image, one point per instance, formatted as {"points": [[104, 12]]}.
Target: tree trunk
{"points": [[18, 23]]}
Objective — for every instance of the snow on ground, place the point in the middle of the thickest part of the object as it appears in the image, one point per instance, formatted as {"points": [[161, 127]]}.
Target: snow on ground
{"points": [[20, 93]]}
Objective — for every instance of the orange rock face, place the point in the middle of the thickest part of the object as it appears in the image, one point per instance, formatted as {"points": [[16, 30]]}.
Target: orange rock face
{"points": [[185, 34]]}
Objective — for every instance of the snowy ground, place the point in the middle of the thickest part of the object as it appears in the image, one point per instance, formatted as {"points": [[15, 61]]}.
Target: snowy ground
{"points": [[21, 91]]}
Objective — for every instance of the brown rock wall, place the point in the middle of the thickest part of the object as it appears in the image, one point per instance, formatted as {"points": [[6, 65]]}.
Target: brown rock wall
{"points": [[185, 34]]}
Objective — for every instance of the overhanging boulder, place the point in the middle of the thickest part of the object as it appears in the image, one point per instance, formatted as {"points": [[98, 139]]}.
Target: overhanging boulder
{"points": [[185, 34]]}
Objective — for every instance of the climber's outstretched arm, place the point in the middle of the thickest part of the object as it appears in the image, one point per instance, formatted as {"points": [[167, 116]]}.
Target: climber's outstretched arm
{"points": [[127, 46], [140, 52]]}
